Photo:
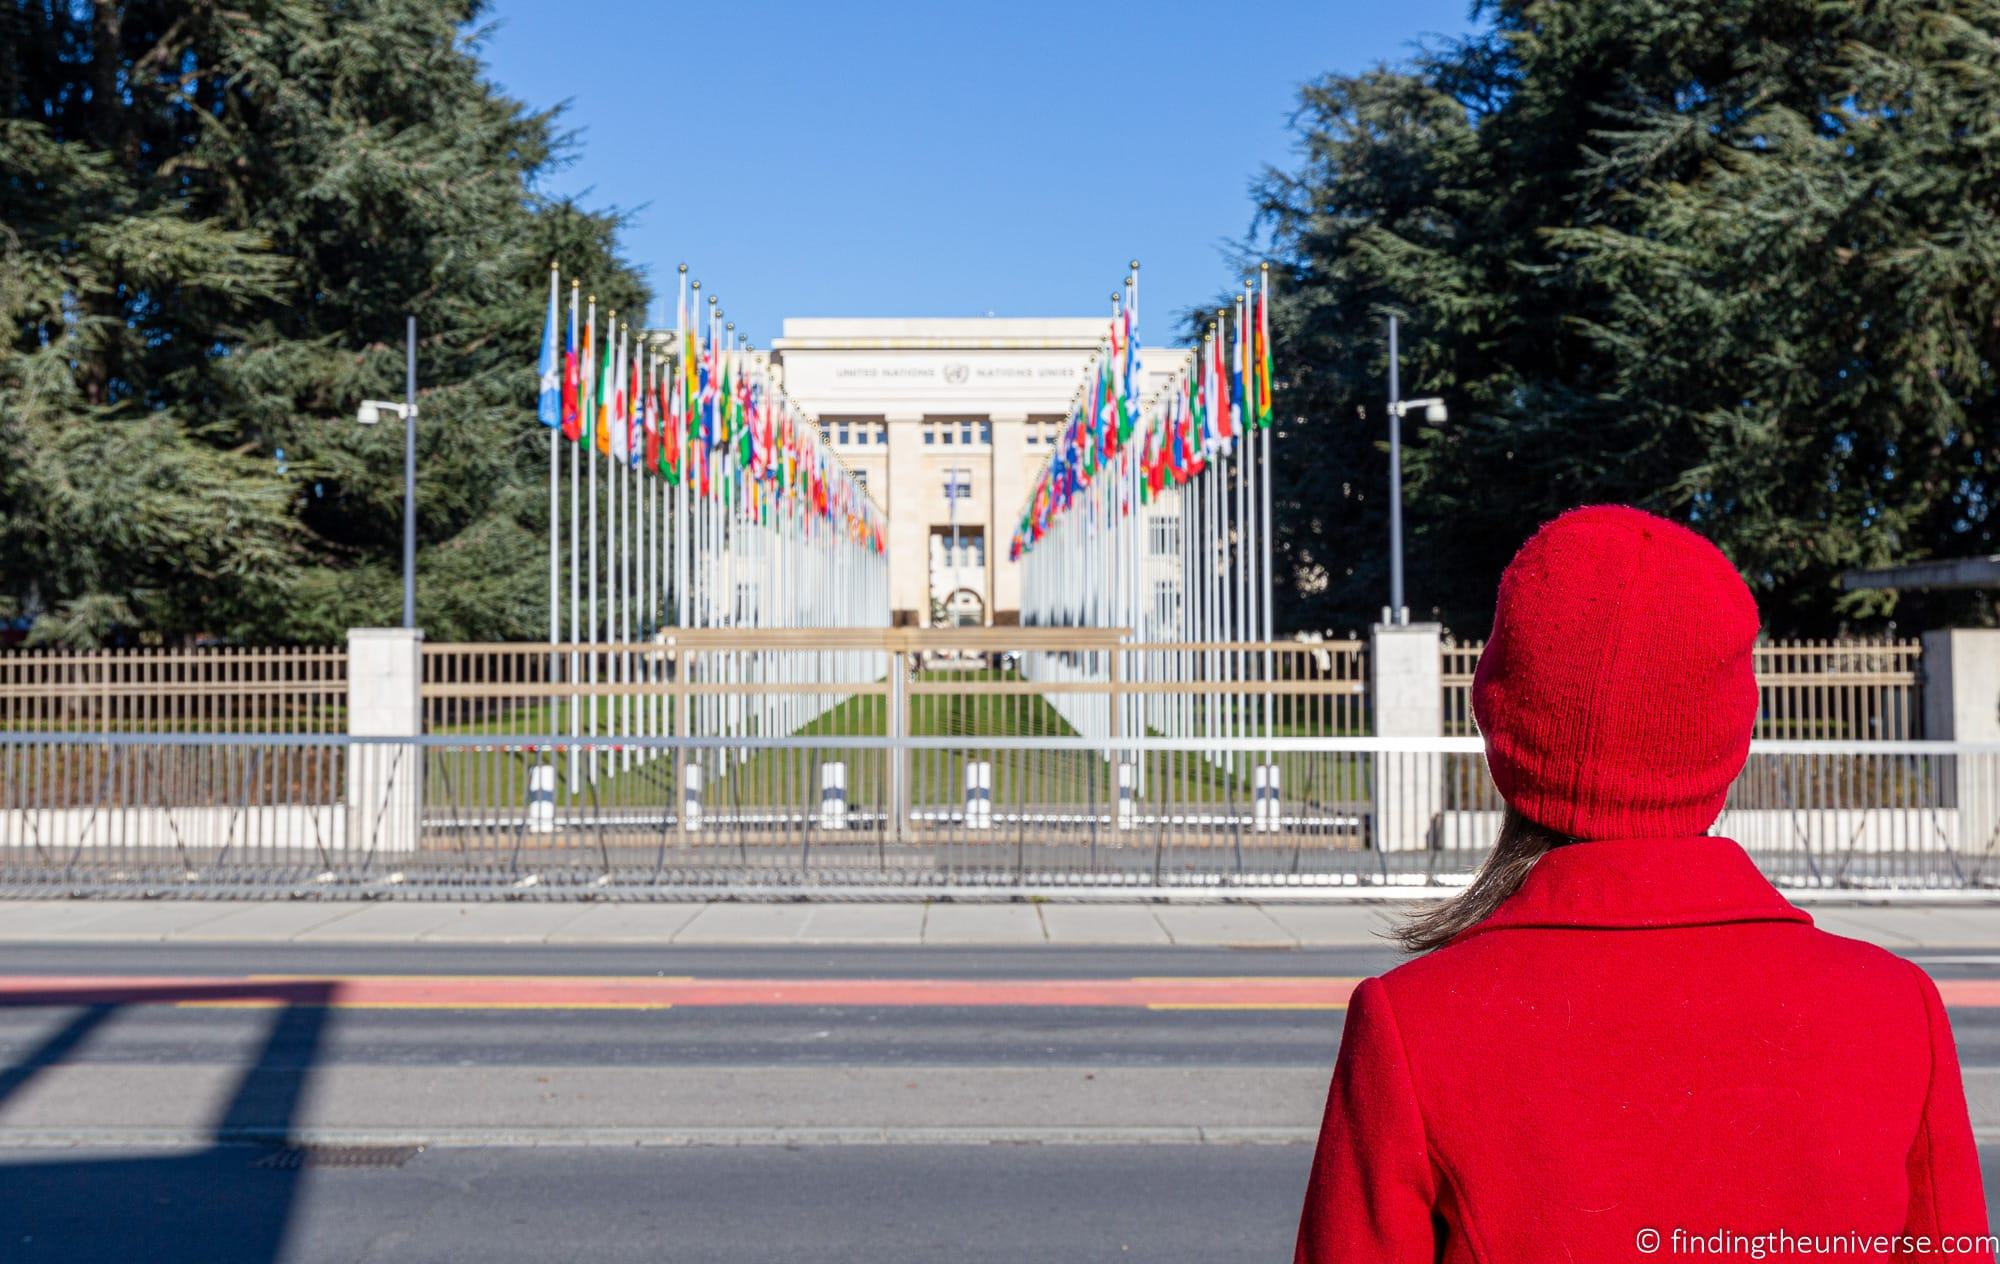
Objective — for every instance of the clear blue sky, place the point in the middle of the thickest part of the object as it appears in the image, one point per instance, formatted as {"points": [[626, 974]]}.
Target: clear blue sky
{"points": [[935, 159]]}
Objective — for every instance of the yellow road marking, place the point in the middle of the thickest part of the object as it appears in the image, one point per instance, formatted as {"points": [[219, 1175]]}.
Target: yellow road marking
{"points": [[1238, 1005], [526, 1005], [483, 978]]}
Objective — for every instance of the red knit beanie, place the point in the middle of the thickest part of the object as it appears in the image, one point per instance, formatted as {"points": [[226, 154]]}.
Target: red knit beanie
{"points": [[1616, 695]]}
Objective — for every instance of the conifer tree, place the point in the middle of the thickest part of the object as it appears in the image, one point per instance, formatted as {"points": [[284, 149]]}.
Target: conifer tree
{"points": [[1736, 262], [218, 216]]}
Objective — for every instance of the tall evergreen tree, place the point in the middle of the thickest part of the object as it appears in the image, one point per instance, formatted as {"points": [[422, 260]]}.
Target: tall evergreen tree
{"points": [[1735, 262], [218, 217]]}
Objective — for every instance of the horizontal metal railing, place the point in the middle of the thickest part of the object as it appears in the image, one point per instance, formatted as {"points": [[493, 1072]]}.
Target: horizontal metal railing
{"points": [[276, 689], [891, 681], [490, 814], [1858, 690]]}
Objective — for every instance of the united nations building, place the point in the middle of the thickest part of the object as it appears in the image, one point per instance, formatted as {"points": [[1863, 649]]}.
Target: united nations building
{"points": [[947, 422]]}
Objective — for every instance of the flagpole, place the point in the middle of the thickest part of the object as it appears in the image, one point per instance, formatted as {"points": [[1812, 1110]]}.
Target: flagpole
{"points": [[647, 445], [1264, 448], [684, 437], [589, 439], [622, 485], [614, 543], [575, 537], [555, 481]]}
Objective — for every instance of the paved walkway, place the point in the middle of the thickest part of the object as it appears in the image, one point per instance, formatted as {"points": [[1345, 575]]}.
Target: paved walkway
{"points": [[1275, 925]]}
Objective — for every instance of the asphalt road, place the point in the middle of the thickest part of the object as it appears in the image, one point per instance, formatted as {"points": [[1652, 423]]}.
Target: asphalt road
{"points": [[155, 1128], [882, 1204]]}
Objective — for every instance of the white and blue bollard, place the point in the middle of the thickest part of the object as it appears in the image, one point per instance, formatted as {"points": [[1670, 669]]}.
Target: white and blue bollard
{"points": [[1128, 804], [1264, 811], [690, 797], [978, 794], [833, 796], [542, 799]]}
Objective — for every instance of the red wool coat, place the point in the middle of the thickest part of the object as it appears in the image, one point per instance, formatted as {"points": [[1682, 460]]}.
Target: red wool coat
{"points": [[1646, 1037]]}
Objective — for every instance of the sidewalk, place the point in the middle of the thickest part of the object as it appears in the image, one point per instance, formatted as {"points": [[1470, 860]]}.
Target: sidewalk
{"points": [[1244, 925]]}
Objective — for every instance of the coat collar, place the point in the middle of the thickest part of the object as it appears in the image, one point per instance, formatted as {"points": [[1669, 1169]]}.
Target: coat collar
{"points": [[1643, 883]]}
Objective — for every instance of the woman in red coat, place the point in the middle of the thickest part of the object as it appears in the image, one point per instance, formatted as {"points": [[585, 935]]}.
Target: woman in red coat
{"points": [[1623, 1043]]}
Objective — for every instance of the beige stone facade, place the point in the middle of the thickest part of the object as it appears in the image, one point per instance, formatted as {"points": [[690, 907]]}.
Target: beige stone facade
{"points": [[948, 421]]}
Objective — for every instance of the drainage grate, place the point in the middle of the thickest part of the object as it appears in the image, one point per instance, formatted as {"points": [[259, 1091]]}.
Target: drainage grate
{"points": [[292, 1158]]}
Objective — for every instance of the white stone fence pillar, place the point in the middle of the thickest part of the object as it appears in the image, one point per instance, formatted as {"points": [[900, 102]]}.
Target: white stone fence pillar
{"points": [[1407, 694], [385, 780], [1962, 704]]}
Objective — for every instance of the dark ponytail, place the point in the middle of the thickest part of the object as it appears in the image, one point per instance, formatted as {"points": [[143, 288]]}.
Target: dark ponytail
{"points": [[1521, 843]]}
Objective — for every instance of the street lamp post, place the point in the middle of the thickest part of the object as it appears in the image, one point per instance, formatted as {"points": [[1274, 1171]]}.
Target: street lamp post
{"points": [[1434, 411], [371, 412], [410, 473]]}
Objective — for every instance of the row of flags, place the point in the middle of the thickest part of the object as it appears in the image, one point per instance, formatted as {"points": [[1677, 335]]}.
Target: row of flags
{"points": [[1224, 390], [706, 414]]}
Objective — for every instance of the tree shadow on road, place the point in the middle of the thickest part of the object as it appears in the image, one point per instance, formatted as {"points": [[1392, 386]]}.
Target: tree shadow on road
{"points": [[229, 1201]]}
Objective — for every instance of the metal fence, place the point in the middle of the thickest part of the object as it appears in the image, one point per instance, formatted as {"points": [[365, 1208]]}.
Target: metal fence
{"points": [[225, 690], [934, 682], [469, 816], [1808, 690], [991, 681]]}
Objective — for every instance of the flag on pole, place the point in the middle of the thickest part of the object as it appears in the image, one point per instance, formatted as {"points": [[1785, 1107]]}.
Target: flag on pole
{"points": [[605, 377], [548, 408], [1264, 353], [621, 418], [572, 400]]}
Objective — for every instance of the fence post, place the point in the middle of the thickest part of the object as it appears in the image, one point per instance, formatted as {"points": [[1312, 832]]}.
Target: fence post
{"points": [[1961, 674], [1407, 695], [385, 782], [899, 755]]}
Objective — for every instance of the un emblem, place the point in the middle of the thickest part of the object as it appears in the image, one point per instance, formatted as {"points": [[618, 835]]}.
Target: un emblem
{"points": [[957, 374]]}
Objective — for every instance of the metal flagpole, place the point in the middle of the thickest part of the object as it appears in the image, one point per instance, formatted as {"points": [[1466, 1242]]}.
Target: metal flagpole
{"points": [[555, 488], [614, 544], [682, 524], [1237, 537], [647, 442], [1264, 447], [591, 422], [575, 540], [554, 367]]}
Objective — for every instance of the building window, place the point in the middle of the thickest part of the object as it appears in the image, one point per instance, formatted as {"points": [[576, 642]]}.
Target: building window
{"points": [[958, 484], [930, 434], [859, 434], [860, 478], [986, 433], [1166, 535], [1167, 602], [967, 554]]}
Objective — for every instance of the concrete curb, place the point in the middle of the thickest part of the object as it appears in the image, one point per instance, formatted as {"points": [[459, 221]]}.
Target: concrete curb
{"points": [[638, 1138]]}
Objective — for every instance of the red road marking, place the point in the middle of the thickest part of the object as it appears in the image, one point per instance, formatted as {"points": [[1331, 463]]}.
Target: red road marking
{"points": [[644, 992], [555, 992]]}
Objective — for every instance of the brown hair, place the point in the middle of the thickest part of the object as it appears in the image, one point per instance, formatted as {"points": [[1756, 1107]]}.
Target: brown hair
{"points": [[1521, 843]]}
